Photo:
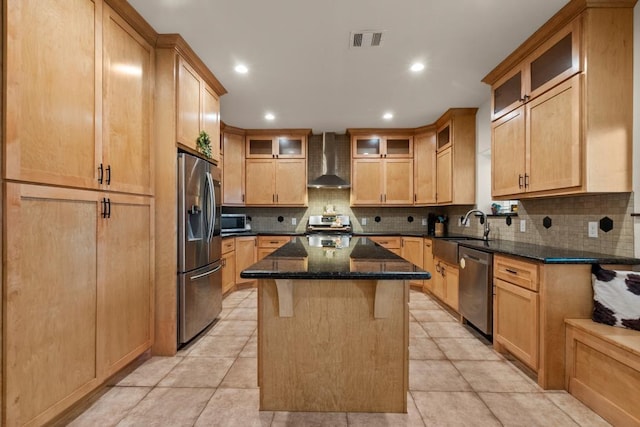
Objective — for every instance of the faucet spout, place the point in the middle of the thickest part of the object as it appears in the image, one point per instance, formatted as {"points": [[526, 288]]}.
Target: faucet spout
{"points": [[485, 234]]}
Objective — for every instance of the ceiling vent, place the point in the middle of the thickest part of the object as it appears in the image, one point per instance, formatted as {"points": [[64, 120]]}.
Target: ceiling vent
{"points": [[360, 39]]}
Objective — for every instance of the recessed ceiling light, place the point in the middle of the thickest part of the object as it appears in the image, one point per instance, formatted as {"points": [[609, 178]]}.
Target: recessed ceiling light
{"points": [[387, 116], [241, 68], [417, 66], [269, 116]]}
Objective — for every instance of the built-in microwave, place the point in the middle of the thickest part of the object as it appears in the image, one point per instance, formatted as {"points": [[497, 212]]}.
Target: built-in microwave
{"points": [[234, 223]]}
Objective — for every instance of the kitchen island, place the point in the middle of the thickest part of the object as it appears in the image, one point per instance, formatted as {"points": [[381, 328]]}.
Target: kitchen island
{"points": [[333, 326]]}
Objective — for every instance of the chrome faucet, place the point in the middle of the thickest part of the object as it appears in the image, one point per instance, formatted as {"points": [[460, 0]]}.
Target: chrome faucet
{"points": [[485, 235]]}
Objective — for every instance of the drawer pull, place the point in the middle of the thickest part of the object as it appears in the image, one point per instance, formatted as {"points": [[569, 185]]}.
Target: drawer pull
{"points": [[508, 270]]}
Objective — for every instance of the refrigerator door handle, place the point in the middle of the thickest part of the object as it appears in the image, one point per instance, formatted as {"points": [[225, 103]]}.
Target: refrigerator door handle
{"points": [[208, 273], [212, 200]]}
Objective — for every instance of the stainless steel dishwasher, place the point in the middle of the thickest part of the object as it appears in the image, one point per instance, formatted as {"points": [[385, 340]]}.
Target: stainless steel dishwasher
{"points": [[476, 288]]}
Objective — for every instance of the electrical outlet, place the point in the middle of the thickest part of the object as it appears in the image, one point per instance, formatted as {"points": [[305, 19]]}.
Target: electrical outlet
{"points": [[364, 221], [294, 221], [593, 229], [424, 221], [523, 225]]}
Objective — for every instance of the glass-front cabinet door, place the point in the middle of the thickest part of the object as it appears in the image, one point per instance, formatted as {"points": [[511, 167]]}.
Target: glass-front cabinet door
{"points": [[554, 61], [507, 93], [367, 146], [260, 147], [290, 147], [273, 147], [398, 146]]}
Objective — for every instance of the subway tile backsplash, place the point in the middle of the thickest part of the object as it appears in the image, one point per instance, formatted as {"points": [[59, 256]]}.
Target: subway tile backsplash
{"points": [[569, 217]]}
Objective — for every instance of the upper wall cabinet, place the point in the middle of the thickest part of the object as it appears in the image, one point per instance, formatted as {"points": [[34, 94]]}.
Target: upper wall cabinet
{"points": [[424, 166], [456, 157], [84, 120], [376, 145], [563, 102], [233, 167], [276, 146], [198, 110], [553, 62], [276, 167]]}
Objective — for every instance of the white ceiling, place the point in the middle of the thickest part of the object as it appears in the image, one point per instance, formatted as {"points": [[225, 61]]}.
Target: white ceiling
{"points": [[302, 70]]}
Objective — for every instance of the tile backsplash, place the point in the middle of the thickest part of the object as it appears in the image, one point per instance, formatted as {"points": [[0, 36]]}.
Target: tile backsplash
{"points": [[569, 218]]}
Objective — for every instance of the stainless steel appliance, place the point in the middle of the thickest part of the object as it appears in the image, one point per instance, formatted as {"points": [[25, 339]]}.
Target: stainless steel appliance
{"points": [[329, 224], [199, 246], [476, 288], [231, 223], [329, 231]]}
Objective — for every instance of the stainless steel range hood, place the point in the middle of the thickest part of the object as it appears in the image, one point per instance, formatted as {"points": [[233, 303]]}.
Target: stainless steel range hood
{"points": [[329, 177]]}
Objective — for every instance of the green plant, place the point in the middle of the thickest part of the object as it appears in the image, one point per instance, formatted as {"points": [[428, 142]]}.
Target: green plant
{"points": [[204, 143]]}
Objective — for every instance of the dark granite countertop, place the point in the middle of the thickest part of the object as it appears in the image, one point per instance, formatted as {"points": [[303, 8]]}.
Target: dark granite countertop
{"points": [[362, 259], [546, 254], [262, 233]]}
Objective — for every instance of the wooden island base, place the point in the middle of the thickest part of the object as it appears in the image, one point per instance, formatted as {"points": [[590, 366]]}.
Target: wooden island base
{"points": [[329, 346]]}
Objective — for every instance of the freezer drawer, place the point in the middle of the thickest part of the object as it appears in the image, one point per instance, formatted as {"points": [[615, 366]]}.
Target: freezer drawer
{"points": [[199, 300]]}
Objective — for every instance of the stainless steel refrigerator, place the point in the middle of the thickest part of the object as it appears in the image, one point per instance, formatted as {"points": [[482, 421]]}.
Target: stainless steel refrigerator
{"points": [[199, 246]]}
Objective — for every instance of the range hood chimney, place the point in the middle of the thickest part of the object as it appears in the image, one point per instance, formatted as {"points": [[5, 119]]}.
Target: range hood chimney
{"points": [[329, 177]]}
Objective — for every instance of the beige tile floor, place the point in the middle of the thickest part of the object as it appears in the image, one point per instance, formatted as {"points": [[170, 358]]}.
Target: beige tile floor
{"points": [[455, 379]]}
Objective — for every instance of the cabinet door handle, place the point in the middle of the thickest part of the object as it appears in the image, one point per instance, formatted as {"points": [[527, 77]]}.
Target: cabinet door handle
{"points": [[415, 197], [103, 202], [273, 198], [520, 180], [276, 198], [381, 198], [526, 180], [385, 198], [508, 270], [109, 175], [243, 198], [526, 98], [100, 173]]}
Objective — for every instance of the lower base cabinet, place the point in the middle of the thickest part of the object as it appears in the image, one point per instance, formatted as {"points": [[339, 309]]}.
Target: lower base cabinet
{"points": [[77, 294], [446, 283], [246, 255], [228, 264], [517, 321]]}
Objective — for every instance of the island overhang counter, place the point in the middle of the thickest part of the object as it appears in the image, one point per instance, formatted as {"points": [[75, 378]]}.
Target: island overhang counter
{"points": [[333, 327]]}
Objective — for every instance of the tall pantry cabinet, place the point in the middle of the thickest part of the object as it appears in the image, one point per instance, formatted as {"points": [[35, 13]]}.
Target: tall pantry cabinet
{"points": [[78, 187], [172, 132]]}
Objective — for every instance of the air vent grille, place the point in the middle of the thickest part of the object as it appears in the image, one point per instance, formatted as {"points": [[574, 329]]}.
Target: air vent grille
{"points": [[360, 39]]}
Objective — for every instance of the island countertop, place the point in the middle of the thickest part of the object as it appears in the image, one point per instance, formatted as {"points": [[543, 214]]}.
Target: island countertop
{"points": [[340, 259]]}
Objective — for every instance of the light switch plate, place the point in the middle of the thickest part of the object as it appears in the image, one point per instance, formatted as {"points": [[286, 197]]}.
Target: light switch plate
{"points": [[364, 221], [294, 221], [424, 221], [523, 225], [593, 229]]}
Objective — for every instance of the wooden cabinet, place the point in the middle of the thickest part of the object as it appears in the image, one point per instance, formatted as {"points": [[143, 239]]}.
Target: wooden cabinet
{"points": [[77, 149], [125, 271], [268, 244], [381, 146], [555, 118], [428, 264], [392, 243], [173, 55], [381, 169], [516, 318], [424, 167], [531, 301], [281, 146], [276, 168], [77, 116], [74, 320], [516, 303], [539, 144], [228, 264], [456, 157], [233, 169], [382, 182], [198, 109], [411, 249], [276, 182], [246, 255], [557, 59], [445, 283]]}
